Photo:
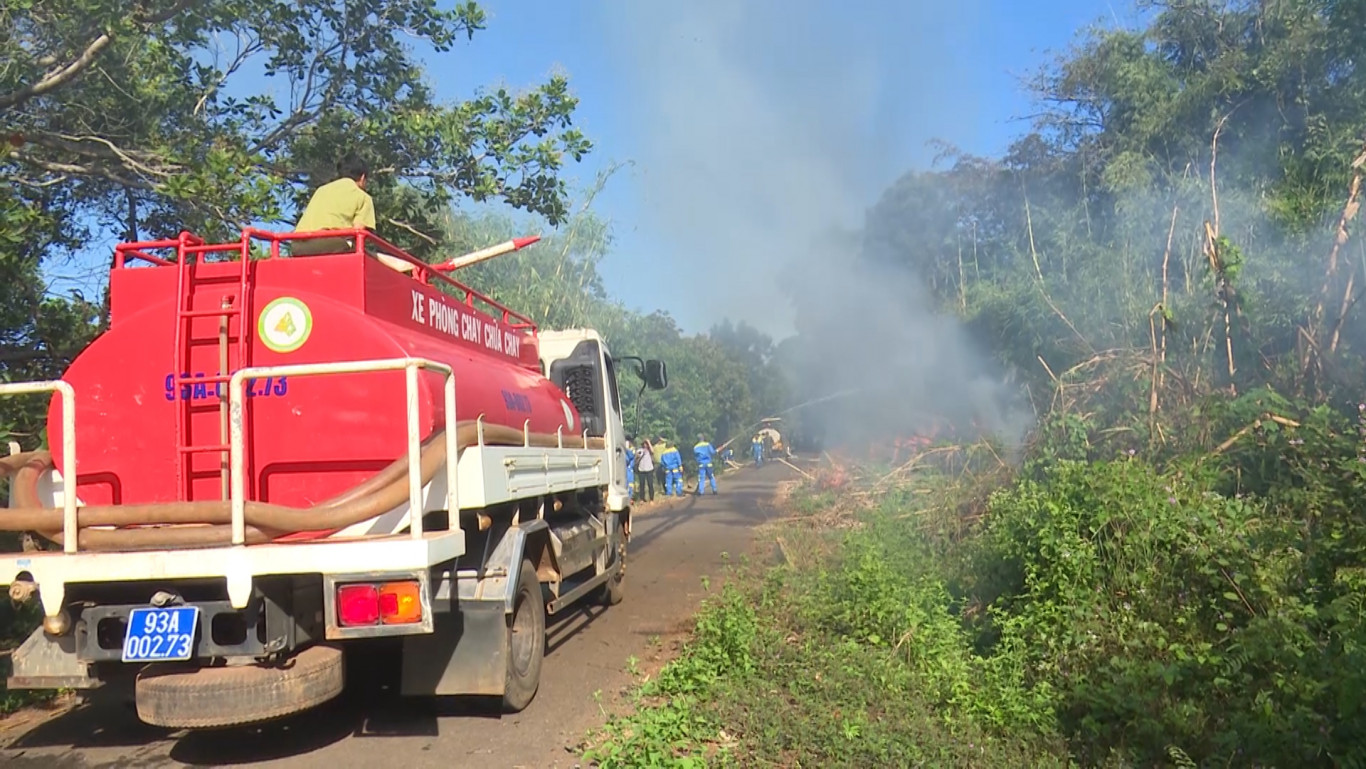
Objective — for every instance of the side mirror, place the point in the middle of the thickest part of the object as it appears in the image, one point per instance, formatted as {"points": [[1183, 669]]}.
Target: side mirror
{"points": [[656, 375]]}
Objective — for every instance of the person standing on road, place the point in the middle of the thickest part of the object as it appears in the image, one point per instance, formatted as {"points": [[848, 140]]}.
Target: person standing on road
{"points": [[756, 445], [672, 461], [645, 471], [661, 477], [630, 471], [705, 454]]}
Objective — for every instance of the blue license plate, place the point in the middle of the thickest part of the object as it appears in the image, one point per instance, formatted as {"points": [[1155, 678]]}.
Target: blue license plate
{"points": [[161, 635]]}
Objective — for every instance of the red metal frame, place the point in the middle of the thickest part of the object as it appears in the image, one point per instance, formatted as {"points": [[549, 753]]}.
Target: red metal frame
{"points": [[188, 242], [189, 249]]}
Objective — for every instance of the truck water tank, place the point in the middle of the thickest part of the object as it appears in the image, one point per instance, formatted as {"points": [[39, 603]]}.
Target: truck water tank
{"points": [[308, 439]]}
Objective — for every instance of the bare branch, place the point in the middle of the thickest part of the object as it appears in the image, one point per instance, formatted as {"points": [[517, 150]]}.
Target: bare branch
{"points": [[244, 52], [60, 76], [82, 170], [127, 157], [305, 112], [145, 164], [36, 184], [410, 228]]}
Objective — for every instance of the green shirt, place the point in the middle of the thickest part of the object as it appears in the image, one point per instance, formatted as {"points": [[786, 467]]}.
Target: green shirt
{"points": [[338, 205]]}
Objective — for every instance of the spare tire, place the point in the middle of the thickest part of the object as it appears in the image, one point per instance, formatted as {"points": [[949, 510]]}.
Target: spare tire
{"points": [[231, 696]]}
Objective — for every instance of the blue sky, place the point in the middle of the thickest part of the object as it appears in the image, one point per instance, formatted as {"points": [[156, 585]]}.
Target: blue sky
{"points": [[755, 129], [752, 126]]}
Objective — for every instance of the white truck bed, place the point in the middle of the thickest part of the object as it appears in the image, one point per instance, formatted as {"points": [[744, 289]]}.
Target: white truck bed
{"points": [[485, 475]]}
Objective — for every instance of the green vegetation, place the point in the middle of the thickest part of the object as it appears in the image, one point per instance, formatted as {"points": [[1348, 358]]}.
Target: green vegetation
{"points": [[1104, 613], [15, 624], [1169, 264], [851, 654], [228, 113]]}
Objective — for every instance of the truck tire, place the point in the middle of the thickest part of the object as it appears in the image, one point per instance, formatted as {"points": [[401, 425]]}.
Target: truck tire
{"points": [[611, 593], [526, 641], [232, 696]]}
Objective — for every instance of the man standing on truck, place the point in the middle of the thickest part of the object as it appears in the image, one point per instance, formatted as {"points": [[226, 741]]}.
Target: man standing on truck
{"points": [[341, 204], [705, 454]]}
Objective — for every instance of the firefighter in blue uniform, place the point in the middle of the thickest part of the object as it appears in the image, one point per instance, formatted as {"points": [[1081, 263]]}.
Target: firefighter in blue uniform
{"points": [[630, 471], [705, 454], [756, 445], [673, 470]]}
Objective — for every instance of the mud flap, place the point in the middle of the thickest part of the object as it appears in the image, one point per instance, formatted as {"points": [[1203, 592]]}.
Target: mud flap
{"points": [[465, 654], [45, 662]]}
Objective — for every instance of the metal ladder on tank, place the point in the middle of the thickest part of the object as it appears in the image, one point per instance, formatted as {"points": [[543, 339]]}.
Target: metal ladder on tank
{"points": [[188, 259]]}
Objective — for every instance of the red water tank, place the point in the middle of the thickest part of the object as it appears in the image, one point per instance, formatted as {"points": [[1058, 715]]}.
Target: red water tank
{"points": [[308, 438]]}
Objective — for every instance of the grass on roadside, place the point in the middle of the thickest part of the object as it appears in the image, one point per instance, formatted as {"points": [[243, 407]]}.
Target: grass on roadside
{"points": [[810, 663]]}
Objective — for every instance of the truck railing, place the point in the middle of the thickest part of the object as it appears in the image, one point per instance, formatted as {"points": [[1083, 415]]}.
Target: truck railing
{"points": [[410, 366], [189, 244], [68, 396]]}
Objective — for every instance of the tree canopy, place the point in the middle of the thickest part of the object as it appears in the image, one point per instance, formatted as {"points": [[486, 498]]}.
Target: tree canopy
{"points": [[138, 120]]}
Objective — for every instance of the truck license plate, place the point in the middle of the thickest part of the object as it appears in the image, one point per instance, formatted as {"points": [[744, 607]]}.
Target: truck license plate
{"points": [[161, 635]]}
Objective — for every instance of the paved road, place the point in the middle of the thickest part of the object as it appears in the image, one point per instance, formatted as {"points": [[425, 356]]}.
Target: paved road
{"points": [[588, 652]]}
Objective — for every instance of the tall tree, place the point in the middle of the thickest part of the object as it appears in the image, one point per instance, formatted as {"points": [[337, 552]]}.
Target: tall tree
{"points": [[136, 120]]}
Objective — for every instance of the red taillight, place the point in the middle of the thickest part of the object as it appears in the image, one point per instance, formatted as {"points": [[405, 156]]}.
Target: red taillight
{"points": [[393, 603], [357, 605]]}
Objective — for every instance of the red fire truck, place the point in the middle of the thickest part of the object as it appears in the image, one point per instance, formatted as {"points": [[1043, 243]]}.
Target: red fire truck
{"points": [[266, 459]]}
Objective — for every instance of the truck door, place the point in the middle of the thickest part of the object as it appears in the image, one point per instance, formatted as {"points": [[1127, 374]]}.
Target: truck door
{"points": [[589, 378], [580, 375], [616, 434]]}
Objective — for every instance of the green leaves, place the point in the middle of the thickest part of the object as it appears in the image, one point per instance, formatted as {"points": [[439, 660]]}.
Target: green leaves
{"points": [[138, 121]]}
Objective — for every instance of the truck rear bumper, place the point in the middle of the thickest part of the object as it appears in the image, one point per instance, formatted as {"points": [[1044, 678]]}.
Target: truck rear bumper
{"points": [[51, 572]]}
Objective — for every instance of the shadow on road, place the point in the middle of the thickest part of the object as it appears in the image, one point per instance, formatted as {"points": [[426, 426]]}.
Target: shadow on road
{"points": [[369, 707]]}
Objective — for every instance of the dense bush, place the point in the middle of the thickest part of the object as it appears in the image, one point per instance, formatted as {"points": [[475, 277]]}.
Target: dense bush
{"points": [[1205, 607], [1213, 602]]}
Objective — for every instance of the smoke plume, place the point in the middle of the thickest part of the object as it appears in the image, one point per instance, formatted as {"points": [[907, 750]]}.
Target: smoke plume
{"points": [[764, 131]]}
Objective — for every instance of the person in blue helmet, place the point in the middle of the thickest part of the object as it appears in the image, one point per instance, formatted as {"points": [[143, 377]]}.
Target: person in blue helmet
{"points": [[756, 445], [705, 454], [673, 470]]}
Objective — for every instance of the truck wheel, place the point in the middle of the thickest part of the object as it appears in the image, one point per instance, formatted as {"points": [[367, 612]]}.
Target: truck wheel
{"points": [[231, 696], [611, 593], [526, 641]]}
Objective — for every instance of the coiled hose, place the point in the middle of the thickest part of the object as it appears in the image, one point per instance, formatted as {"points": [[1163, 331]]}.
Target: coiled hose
{"points": [[209, 523]]}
